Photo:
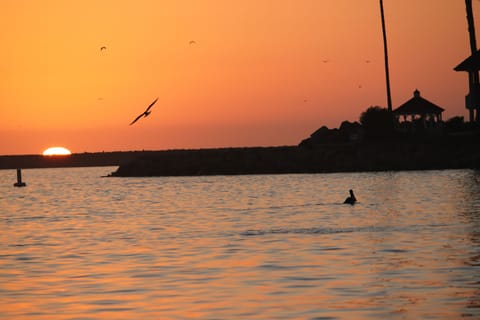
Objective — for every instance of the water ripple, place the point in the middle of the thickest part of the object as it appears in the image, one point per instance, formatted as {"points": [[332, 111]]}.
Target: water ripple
{"points": [[75, 246]]}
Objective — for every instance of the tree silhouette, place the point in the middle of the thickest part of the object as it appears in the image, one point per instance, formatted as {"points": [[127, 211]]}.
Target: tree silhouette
{"points": [[377, 123], [455, 124]]}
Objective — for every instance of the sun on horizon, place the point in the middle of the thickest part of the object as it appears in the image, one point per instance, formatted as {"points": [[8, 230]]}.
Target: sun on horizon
{"points": [[56, 151]]}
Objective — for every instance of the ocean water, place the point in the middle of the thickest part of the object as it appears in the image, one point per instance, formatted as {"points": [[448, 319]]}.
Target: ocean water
{"points": [[74, 245]]}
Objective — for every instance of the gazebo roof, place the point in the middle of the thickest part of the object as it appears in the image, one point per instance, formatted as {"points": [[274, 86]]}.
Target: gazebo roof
{"points": [[418, 105], [472, 63]]}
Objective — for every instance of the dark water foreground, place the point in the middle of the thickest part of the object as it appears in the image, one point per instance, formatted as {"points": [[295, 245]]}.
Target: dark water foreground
{"points": [[382, 156], [75, 246]]}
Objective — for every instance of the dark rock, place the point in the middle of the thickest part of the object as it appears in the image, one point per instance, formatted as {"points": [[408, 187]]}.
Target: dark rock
{"points": [[344, 157]]}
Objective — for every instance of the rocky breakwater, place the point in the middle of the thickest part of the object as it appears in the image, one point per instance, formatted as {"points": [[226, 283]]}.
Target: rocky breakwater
{"points": [[348, 157]]}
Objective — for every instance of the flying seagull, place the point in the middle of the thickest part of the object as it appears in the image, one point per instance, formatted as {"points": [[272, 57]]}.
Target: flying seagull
{"points": [[145, 113]]}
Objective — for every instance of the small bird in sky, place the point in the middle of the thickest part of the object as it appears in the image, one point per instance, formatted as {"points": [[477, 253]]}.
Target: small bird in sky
{"points": [[145, 113], [192, 42], [103, 48]]}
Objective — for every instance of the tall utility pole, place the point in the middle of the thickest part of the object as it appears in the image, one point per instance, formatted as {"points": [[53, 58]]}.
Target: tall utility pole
{"points": [[385, 50], [473, 75]]}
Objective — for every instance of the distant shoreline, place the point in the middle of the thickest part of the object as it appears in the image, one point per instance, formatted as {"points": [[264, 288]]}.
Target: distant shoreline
{"points": [[87, 159], [347, 157]]}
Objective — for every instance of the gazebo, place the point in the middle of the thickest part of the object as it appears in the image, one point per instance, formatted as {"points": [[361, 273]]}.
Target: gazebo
{"points": [[419, 110]]}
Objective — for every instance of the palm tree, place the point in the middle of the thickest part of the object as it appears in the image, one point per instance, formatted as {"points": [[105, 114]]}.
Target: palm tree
{"points": [[387, 74], [471, 26]]}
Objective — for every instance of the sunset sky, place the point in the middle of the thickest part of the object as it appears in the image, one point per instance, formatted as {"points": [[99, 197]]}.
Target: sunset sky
{"points": [[260, 72]]}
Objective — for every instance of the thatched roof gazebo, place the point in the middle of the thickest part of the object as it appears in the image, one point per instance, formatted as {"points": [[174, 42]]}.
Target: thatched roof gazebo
{"points": [[419, 109]]}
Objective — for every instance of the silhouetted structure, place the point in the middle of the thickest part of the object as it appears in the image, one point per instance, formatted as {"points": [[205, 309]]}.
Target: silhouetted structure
{"points": [[423, 114], [472, 66], [472, 100]]}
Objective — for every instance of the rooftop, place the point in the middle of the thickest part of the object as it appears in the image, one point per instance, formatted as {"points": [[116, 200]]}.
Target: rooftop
{"points": [[418, 105], [472, 63]]}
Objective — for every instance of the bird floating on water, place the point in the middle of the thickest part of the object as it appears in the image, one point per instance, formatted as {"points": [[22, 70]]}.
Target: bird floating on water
{"points": [[351, 200], [146, 113]]}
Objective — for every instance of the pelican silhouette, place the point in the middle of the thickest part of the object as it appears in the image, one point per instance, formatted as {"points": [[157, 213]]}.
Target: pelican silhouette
{"points": [[351, 200], [145, 113]]}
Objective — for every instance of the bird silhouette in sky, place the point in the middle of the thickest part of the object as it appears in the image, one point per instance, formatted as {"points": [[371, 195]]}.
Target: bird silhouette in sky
{"points": [[103, 48], [192, 42], [145, 113]]}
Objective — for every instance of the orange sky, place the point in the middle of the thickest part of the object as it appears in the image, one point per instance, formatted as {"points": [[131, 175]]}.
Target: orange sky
{"points": [[255, 77]]}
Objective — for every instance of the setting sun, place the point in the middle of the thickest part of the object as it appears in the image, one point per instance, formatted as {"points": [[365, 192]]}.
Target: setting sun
{"points": [[227, 73], [56, 151]]}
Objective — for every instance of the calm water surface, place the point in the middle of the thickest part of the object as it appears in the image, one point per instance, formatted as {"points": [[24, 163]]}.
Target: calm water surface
{"points": [[74, 245]]}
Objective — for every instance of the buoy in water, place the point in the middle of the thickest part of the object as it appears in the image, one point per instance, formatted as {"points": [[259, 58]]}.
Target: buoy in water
{"points": [[19, 182]]}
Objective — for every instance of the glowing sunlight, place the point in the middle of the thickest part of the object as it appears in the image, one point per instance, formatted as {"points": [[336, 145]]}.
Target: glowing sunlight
{"points": [[56, 151]]}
